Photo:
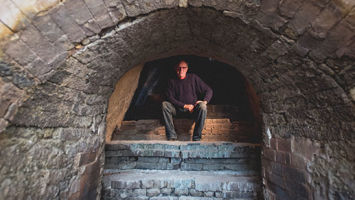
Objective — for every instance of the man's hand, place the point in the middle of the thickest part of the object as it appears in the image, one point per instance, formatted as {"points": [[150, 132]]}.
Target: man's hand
{"points": [[197, 102], [189, 107]]}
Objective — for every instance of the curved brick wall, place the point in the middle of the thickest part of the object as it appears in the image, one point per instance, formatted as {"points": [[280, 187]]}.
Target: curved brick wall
{"points": [[59, 69]]}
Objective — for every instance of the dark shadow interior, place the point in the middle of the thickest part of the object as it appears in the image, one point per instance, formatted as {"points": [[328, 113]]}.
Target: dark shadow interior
{"points": [[229, 87]]}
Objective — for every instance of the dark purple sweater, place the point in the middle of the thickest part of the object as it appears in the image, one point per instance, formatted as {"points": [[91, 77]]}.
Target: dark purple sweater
{"points": [[186, 91]]}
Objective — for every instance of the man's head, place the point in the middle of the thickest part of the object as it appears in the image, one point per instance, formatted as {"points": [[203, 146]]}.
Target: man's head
{"points": [[181, 69]]}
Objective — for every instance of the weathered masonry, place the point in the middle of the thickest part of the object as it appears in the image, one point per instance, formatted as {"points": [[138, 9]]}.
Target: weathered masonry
{"points": [[60, 62]]}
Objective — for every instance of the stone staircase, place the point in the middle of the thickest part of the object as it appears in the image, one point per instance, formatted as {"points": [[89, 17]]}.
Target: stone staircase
{"points": [[140, 164], [220, 125], [158, 170]]}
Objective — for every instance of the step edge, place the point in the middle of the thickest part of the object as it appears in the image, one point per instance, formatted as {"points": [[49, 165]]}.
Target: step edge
{"points": [[114, 142]]}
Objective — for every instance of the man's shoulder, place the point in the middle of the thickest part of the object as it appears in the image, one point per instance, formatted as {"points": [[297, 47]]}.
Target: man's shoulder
{"points": [[193, 76]]}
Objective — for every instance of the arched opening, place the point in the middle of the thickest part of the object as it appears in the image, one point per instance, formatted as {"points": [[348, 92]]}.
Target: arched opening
{"points": [[232, 113], [138, 153]]}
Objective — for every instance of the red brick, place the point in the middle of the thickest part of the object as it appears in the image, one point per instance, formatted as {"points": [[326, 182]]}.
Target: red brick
{"points": [[269, 154], [161, 132], [277, 180], [226, 130], [283, 157], [280, 193], [209, 121], [221, 121], [128, 123], [227, 126], [207, 126], [89, 181], [235, 125], [209, 130], [294, 175], [217, 132], [217, 126], [236, 128], [284, 145], [148, 121], [304, 147], [273, 143], [276, 168], [298, 161], [151, 132], [86, 158], [263, 172], [271, 195]]}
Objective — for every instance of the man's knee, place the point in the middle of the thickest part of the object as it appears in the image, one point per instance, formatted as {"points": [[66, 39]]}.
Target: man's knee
{"points": [[165, 105], [202, 106]]}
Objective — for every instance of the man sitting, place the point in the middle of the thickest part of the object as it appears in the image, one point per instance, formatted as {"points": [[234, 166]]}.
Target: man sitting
{"points": [[182, 95]]}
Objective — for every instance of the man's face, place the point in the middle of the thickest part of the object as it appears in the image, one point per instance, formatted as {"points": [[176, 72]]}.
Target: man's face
{"points": [[181, 69]]}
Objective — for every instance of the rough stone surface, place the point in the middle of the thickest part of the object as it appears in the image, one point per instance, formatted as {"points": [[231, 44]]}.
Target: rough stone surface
{"points": [[298, 55], [120, 100], [194, 185], [100, 13], [127, 163], [308, 158], [44, 145], [67, 24]]}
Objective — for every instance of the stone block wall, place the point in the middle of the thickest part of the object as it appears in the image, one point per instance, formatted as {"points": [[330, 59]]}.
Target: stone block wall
{"points": [[184, 156], [284, 169], [52, 157], [181, 185], [292, 168]]}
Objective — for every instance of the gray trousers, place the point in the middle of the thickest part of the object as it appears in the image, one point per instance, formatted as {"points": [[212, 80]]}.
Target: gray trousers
{"points": [[199, 115]]}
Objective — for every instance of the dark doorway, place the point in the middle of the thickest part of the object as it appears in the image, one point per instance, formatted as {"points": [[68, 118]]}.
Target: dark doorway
{"points": [[229, 88]]}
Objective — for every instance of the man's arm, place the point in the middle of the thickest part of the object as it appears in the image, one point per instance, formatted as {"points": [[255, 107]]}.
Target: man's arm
{"points": [[203, 88]]}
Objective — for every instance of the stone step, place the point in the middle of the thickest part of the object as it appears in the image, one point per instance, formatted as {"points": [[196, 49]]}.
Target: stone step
{"points": [[214, 130], [175, 184], [213, 111], [186, 198], [186, 156]]}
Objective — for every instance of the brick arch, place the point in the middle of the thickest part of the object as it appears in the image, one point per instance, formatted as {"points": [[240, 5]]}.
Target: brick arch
{"points": [[66, 90]]}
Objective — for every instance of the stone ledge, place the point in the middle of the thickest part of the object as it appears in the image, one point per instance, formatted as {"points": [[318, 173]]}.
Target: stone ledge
{"points": [[186, 156], [199, 149], [224, 184], [174, 143], [215, 129]]}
